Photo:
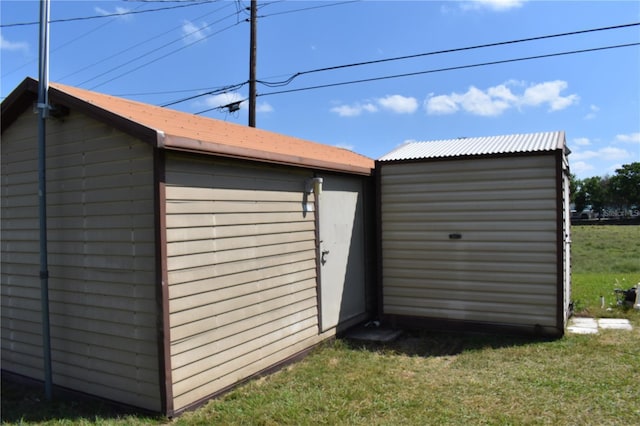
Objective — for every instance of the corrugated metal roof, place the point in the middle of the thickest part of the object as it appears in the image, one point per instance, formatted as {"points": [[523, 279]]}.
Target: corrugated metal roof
{"points": [[531, 142], [175, 130]]}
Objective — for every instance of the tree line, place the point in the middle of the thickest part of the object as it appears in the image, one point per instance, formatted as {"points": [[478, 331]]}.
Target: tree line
{"points": [[619, 192]]}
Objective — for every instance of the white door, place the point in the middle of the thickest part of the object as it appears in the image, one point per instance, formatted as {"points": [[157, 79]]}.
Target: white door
{"points": [[342, 265]]}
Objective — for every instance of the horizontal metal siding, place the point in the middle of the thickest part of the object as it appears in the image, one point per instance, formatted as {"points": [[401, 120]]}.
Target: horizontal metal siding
{"points": [[502, 269], [101, 259], [241, 270]]}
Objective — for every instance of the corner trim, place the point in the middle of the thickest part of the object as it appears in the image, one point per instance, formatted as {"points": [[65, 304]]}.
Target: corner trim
{"points": [[162, 289]]}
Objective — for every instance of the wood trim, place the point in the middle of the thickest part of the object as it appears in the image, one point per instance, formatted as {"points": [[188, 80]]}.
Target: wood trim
{"points": [[316, 224], [162, 285], [559, 242], [379, 282], [195, 146]]}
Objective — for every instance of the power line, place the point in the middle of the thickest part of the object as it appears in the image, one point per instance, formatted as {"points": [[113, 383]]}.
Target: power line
{"points": [[211, 92], [431, 53], [411, 74], [110, 15], [160, 57], [128, 49], [505, 61], [309, 8], [438, 52]]}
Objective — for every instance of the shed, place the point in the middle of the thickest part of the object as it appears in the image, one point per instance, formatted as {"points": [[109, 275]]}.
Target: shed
{"points": [[475, 234], [186, 254]]}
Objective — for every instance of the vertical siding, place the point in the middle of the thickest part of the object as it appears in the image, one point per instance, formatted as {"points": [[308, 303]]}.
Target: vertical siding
{"points": [[501, 269], [242, 272], [101, 259]]}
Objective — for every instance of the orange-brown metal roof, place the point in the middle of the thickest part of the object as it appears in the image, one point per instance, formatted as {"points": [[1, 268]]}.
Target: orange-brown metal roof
{"points": [[177, 130]]}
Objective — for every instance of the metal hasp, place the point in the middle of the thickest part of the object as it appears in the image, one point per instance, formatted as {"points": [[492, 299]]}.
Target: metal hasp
{"points": [[43, 108]]}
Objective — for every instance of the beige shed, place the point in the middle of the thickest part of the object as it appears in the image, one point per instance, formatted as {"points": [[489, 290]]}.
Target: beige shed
{"points": [[475, 234], [186, 254]]}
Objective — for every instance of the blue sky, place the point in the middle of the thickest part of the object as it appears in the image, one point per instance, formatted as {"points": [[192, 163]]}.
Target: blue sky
{"points": [[164, 56]]}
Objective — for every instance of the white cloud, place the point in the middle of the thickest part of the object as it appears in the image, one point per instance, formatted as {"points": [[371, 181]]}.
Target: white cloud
{"points": [[395, 103], [13, 45], [582, 141], [629, 138], [549, 93], [608, 153], [592, 112], [399, 104], [117, 11], [264, 107], [192, 33], [441, 104], [580, 168], [345, 146], [353, 110], [224, 99], [494, 5], [495, 100]]}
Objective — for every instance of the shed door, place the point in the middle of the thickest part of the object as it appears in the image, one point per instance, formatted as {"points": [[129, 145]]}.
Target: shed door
{"points": [[342, 289]]}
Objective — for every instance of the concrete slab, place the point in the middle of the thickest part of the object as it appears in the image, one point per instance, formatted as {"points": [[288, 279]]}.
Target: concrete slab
{"points": [[579, 325], [614, 324]]}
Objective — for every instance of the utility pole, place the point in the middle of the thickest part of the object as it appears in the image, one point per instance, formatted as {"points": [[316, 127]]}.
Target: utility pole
{"points": [[252, 63]]}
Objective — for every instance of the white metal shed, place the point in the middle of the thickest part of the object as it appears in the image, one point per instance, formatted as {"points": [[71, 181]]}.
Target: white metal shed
{"points": [[475, 233]]}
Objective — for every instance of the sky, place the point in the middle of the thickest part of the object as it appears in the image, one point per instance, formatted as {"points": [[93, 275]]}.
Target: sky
{"points": [[329, 71]]}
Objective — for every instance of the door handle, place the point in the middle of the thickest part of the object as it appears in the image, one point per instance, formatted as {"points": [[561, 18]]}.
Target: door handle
{"points": [[323, 259]]}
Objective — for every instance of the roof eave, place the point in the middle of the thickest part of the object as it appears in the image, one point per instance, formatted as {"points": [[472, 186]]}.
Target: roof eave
{"points": [[177, 143]]}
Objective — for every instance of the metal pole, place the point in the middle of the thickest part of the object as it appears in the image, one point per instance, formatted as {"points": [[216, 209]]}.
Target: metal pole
{"points": [[252, 64], [43, 107]]}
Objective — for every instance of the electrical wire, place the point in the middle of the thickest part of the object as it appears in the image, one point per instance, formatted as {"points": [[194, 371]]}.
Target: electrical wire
{"points": [[309, 8], [211, 92], [439, 52], [411, 74], [109, 15], [505, 61], [160, 57], [460, 49], [128, 49]]}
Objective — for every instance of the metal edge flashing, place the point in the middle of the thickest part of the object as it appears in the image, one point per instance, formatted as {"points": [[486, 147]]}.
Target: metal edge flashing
{"points": [[161, 285], [468, 157], [559, 243], [178, 143]]}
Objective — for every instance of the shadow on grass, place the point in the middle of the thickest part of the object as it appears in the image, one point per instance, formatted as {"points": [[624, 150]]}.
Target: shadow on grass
{"points": [[24, 401], [441, 343]]}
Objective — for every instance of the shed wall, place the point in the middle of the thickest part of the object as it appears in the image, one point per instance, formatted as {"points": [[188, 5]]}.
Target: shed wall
{"points": [[241, 271], [101, 259], [471, 240]]}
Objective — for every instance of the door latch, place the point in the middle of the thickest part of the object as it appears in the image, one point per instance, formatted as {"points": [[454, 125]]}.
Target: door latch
{"points": [[323, 260]]}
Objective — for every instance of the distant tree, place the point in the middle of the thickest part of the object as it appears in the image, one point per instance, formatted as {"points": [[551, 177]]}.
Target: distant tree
{"points": [[624, 186], [574, 184], [594, 191]]}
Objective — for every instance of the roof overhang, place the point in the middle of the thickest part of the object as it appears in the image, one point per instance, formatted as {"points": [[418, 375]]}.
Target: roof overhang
{"points": [[25, 96]]}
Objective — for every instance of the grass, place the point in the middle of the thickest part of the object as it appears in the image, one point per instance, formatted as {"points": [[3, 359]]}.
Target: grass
{"points": [[431, 378], [603, 258]]}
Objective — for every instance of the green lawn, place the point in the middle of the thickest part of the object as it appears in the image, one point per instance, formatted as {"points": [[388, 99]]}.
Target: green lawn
{"points": [[603, 258], [433, 378]]}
